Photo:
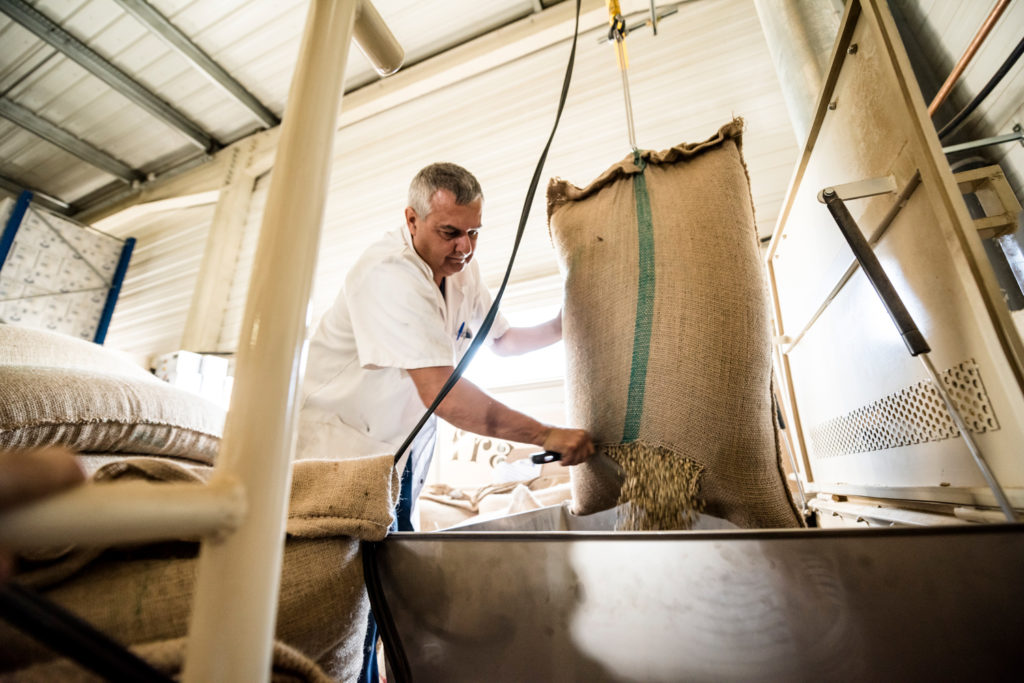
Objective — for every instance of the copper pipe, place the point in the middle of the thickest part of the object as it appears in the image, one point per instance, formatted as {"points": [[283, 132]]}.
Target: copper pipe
{"points": [[968, 55]]}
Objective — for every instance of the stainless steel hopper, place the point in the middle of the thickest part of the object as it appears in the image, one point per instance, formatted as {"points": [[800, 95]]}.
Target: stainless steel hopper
{"points": [[556, 605], [546, 597]]}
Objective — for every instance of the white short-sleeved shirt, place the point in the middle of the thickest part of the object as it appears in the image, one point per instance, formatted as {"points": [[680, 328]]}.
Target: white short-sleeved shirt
{"points": [[358, 398]]}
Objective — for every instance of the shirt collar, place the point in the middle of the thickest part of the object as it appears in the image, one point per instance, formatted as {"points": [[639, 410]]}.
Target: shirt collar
{"points": [[416, 258]]}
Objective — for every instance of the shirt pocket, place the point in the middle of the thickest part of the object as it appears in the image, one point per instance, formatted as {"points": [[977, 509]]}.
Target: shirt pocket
{"points": [[463, 338]]}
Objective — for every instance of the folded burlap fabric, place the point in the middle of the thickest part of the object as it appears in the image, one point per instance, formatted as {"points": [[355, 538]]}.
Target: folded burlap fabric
{"points": [[142, 595]]}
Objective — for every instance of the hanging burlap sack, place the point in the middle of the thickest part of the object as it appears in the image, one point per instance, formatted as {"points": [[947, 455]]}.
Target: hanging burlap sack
{"points": [[666, 327]]}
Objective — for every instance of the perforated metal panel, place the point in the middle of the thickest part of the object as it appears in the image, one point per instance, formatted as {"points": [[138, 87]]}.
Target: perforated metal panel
{"points": [[912, 415], [866, 418]]}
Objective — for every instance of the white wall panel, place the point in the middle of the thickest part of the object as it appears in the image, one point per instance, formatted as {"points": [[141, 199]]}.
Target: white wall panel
{"points": [[150, 315], [708, 63], [944, 29]]}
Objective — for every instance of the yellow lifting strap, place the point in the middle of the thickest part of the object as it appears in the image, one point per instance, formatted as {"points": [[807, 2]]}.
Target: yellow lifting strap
{"points": [[617, 32]]}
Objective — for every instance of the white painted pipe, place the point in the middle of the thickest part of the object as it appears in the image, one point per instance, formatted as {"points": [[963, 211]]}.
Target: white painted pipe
{"points": [[125, 512], [800, 36], [235, 605], [376, 41]]}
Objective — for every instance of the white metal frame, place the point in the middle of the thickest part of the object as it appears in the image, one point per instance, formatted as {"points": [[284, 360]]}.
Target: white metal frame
{"points": [[241, 514]]}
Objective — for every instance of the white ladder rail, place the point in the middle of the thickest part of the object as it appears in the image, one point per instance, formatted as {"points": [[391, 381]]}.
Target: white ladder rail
{"points": [[125, 512], [235, 604], [240, 515]]}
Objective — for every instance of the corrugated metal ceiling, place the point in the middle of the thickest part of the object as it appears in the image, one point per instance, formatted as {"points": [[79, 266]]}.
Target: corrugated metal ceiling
{"points": [[709, 63], [256, 41]]}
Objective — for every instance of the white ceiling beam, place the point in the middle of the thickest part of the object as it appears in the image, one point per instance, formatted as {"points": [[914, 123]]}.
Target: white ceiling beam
{"points": [[146, 15], [41, 198], [55, 135], [489, 51], [504, 45], [140, 211], [207, 176], [50, 32]]}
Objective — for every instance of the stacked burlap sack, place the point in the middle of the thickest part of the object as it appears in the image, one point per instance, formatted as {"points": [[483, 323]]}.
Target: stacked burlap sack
{"points": [[141, 595], [60, 391], [666, 326]]}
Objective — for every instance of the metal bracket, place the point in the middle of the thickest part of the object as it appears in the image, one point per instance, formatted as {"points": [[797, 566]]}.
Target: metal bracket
{"points": [[861, 188], [1017, 134], [992, 181]]}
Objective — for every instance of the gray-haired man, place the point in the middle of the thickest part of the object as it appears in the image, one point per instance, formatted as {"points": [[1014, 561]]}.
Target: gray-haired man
{"points": [[406, 315]]}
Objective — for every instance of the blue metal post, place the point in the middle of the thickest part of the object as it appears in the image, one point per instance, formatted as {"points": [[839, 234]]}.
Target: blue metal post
{"points": [[13, 223], [115, 290]]}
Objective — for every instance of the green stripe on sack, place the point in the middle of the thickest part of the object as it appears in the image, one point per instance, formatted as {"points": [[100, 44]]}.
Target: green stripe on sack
{"points": [[644, 305]]}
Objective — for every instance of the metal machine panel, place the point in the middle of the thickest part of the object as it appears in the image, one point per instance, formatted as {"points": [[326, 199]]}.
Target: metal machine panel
{"points": [[884, 604], [867, 418]]}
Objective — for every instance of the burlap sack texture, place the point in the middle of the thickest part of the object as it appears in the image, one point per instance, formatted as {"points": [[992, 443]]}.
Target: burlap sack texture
{"points": [[141, 596], [666, 326], [287, 666], [58, 390]]}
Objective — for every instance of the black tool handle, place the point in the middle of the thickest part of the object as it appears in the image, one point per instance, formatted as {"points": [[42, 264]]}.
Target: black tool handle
{"points": [[912, 337], [545, 457]]}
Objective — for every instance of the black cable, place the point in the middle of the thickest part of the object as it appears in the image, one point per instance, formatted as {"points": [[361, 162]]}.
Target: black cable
{"points": [[1003, 69], [398, 662], [68, 635], [485, 326], [378, 603]]}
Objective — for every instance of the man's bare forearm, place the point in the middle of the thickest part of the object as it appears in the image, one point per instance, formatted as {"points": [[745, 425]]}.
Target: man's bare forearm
{"points": [[517, 340], [469, 407]]}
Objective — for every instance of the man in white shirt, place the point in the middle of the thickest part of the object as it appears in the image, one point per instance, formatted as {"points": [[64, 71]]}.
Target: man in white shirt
{"points": [[407, 313]]}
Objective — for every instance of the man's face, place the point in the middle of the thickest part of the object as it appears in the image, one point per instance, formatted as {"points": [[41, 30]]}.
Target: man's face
{"points": [[446, 237]]}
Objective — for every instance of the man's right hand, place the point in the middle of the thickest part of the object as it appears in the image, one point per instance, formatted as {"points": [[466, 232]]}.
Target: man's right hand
{"points": [[574, 445], [470, 408]]}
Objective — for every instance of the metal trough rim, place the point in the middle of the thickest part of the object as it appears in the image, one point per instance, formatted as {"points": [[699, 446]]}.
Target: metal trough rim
{"points": [[918, 603], [718, 535]]}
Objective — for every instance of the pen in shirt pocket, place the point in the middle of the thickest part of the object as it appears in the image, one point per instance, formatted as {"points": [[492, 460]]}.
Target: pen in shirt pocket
{"points": [[459, 335]]}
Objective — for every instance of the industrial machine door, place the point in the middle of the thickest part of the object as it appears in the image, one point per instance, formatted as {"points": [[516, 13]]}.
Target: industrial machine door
{"points": [[867, 419]]}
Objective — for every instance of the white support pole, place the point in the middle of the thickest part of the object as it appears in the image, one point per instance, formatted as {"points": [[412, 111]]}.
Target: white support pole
{"points": [[125, 512], [235, 603]]}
